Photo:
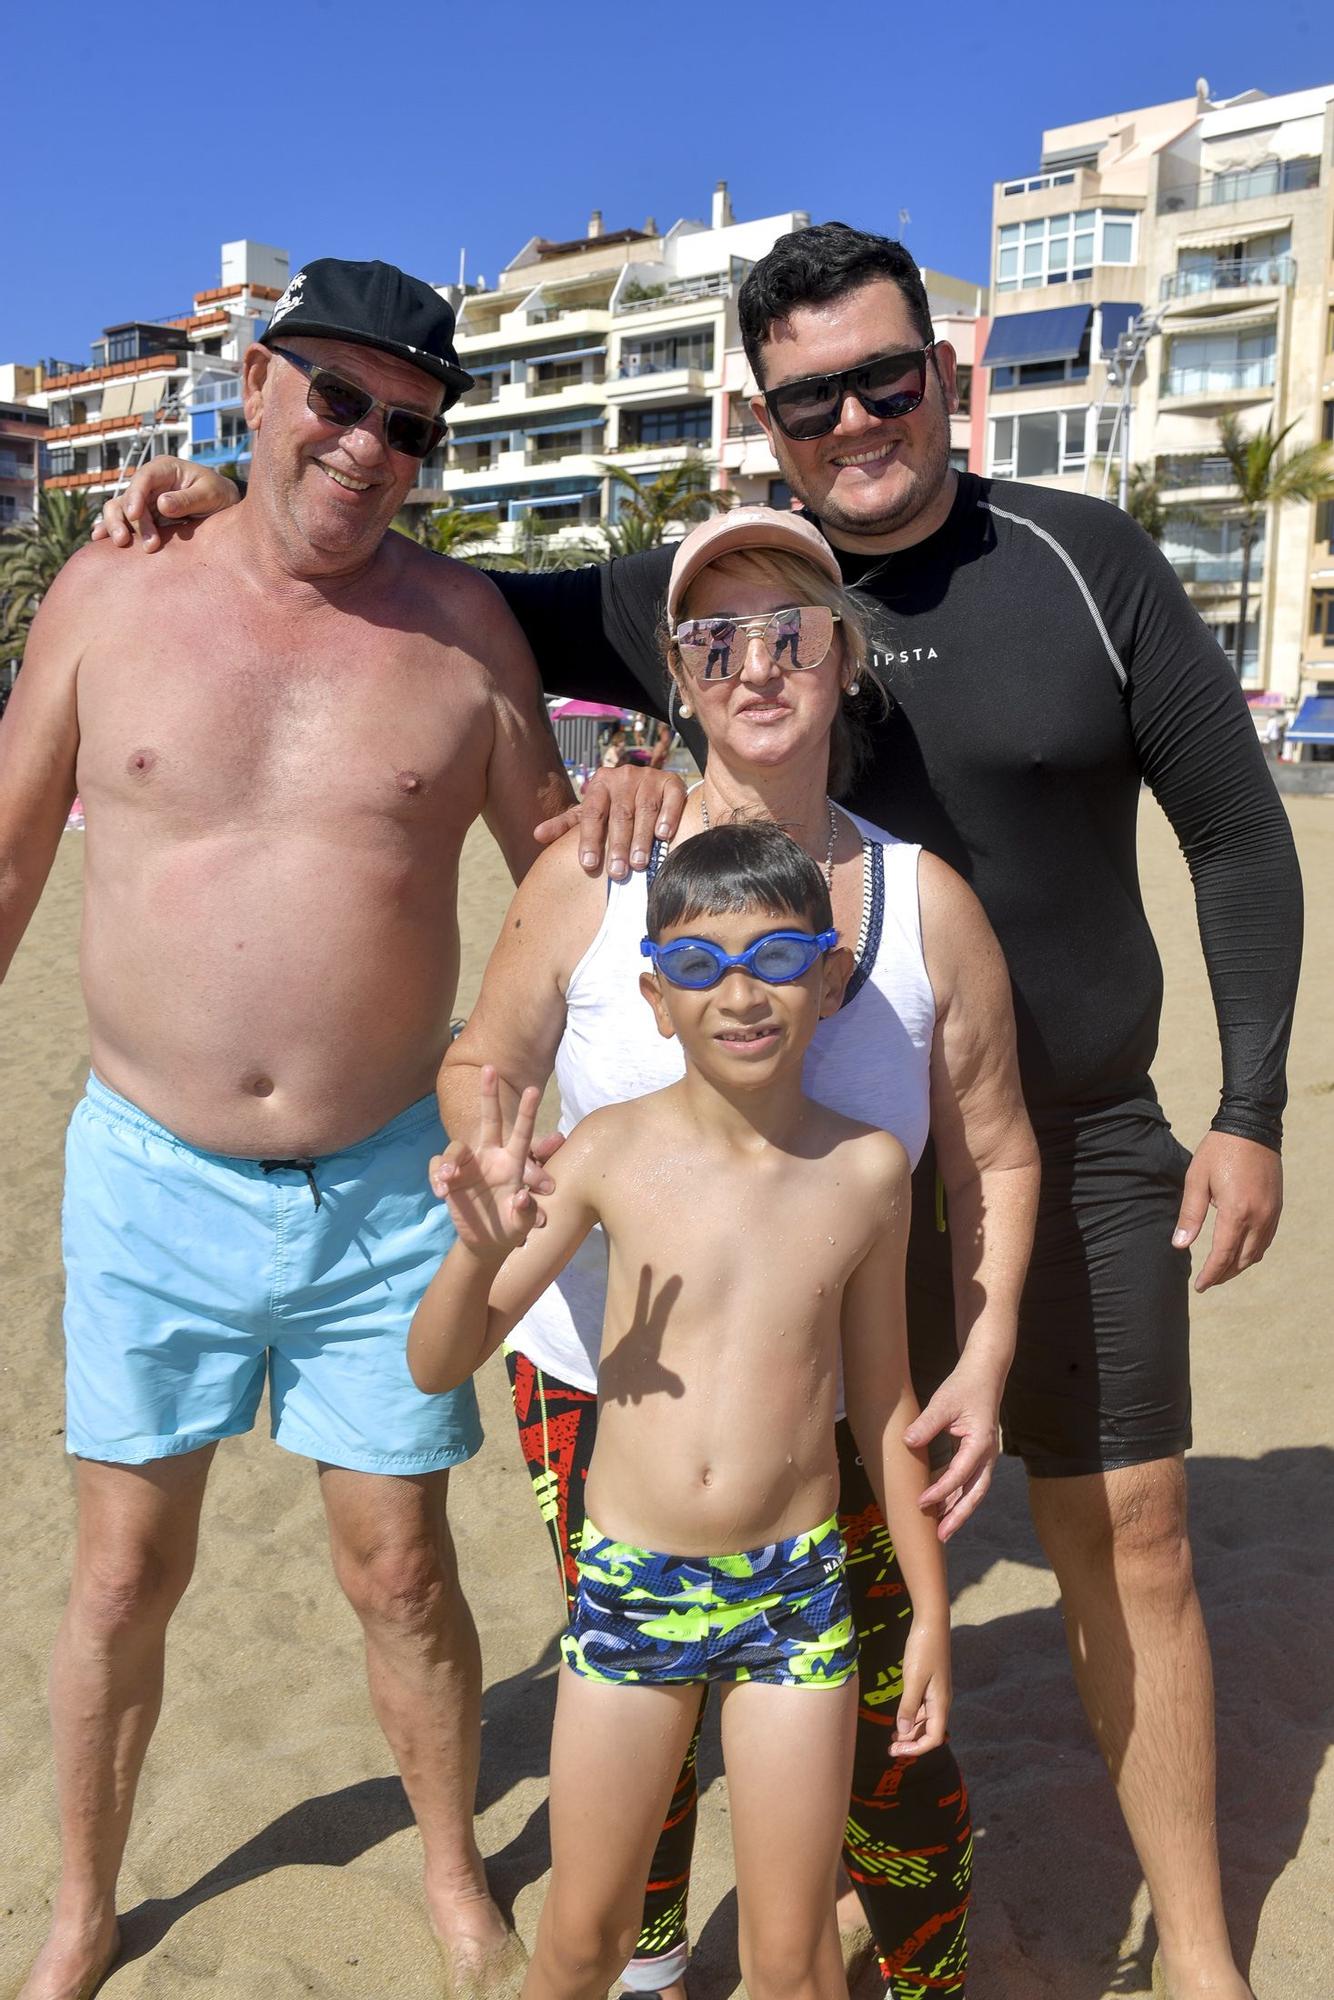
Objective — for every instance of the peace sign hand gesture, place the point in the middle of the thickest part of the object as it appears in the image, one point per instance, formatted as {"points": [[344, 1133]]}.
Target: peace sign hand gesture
{"points": [[489, 1205]]}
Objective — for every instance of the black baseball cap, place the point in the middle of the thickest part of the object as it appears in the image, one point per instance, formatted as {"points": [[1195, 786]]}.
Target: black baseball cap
{"points": [[375, 305]]}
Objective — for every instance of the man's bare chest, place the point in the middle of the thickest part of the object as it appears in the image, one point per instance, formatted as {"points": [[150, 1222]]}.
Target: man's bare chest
{"points": [[218, 726]]}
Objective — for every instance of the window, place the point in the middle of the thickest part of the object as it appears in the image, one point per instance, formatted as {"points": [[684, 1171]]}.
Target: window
{"points": [[1225, 631], [668, 351], [1211, 364], [1324, 527], [963, 382], [687, 423], [1327, 423], [1042, 374], [1053, 249], [9, 507], [1322, 616], [1039, 444], [780, 495], [1206, 548]]}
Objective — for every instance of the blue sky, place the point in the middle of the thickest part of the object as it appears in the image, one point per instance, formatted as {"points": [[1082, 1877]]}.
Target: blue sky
{"points": [[136, 143]]}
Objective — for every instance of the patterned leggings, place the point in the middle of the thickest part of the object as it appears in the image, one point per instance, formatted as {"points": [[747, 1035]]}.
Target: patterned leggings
{"points": [[908, 1843]]}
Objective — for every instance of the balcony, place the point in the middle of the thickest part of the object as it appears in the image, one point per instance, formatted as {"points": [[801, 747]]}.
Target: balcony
{"points": [[678, 292], [1218, 572], [209, 393], [1277, 177], [1194, 281], [1039, 183], [1174, 474], [1215, 383]]}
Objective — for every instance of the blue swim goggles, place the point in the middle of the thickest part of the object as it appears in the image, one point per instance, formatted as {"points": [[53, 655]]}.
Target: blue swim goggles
{"points": [[777, 958]]}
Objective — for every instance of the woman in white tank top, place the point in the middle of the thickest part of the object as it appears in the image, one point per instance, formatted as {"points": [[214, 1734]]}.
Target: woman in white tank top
{"points": [[925, 1038]]}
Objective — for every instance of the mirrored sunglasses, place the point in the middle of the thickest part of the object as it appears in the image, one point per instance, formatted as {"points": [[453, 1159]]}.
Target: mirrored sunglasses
{"points": [[890, 386], [342, 404], [714, 649], [777, 958]]}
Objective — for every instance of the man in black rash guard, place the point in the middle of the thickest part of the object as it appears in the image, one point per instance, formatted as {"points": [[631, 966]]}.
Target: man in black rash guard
{"points": [[1044, 663]]}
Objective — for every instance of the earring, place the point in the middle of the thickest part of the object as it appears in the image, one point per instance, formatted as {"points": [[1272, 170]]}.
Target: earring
{"points": [[683, 708], [854, 687]]}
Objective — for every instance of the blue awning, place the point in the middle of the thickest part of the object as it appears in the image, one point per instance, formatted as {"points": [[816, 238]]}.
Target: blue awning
{"points": [[566, 354], [1115, 320], [572, 424], [1054, 335], [1314, 721]]}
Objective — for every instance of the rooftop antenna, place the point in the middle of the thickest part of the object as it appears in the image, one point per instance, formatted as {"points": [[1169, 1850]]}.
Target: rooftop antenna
{"points": [[463, 265], [904, 220]]}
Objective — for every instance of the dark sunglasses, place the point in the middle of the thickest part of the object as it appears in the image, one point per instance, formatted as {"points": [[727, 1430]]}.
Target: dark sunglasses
{"points": [[777, 958], [343, 404], [890, 386]]}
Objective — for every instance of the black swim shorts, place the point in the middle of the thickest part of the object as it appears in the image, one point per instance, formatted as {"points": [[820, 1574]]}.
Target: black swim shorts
{"points": [[1101, 1375]]}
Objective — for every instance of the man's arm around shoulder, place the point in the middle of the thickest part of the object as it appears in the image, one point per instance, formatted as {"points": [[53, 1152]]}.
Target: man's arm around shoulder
{"points": [[39, 742]]}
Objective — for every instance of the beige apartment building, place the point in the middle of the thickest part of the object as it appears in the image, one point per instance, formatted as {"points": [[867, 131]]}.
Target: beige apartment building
{"points": [[1162, 266], [620, 351]]}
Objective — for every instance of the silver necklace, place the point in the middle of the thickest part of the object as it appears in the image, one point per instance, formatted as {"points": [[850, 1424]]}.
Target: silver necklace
{"points": [[829, 851]]}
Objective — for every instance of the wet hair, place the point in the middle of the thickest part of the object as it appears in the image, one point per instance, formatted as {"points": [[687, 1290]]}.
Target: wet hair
{"points": [[808, 267], [849, 738], [747, 864]]}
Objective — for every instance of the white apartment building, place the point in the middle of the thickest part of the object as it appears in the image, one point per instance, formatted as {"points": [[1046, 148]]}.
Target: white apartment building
{"points": [[168, 385], [620, 350], [1201, 236]]}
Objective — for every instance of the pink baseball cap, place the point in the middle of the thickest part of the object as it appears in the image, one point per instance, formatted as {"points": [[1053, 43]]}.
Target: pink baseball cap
{"points": [[746, 528]]}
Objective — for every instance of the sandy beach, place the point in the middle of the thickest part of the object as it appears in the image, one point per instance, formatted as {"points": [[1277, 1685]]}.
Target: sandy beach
{"points": [[273, 1853]]}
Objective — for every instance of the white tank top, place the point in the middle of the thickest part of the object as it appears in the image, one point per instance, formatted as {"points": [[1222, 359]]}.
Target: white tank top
{"points": [[870, 1061]]}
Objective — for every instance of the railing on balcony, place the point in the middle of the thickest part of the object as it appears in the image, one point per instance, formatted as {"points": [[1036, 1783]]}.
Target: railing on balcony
{"points": [[1177, 472], [547, 454], [1275, 177], [744, 424], [216, 392], [553, 386], [1217, 569], [717, 285], [631, 366], [1218, 380], [1038, 182], [1229, 275]]}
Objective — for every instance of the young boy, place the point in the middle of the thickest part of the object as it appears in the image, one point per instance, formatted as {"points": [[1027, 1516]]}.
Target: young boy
{"points": [[756, 1240]]}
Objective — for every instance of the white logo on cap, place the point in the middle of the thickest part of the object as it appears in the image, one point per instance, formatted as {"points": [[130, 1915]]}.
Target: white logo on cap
{"points": [[290, 299]]}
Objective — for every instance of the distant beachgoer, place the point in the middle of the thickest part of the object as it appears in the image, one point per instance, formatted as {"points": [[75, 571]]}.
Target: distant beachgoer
{"points": [[280, 751], [757, 1246]]}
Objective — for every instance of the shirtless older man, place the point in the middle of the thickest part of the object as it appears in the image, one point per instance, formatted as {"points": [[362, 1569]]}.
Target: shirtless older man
{"points": [[280, 741]]}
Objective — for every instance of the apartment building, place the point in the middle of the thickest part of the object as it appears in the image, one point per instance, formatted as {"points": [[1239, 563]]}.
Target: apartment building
{"points": [[620, 351], [162, 385], [21, 431], [1163, 266]]}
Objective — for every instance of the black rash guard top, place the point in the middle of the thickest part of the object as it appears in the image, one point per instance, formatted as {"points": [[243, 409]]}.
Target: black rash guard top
{"points": [[1043, 662]]}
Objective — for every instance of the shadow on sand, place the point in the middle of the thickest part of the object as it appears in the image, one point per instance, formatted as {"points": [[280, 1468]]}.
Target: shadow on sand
{"points": [[1056, 1880]]}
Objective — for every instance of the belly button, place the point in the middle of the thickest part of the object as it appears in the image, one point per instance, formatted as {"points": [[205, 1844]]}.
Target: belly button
{"points": [[260, 1086]]}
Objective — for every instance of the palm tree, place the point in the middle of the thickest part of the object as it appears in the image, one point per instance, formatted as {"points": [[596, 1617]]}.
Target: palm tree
{"points": [[33, 555], [1144, 501], [449, 530], [1263, 480], [676, 496]]}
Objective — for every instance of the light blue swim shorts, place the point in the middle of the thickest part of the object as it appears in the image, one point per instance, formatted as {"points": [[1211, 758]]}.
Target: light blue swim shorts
{"points": [[192, 1276]]}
